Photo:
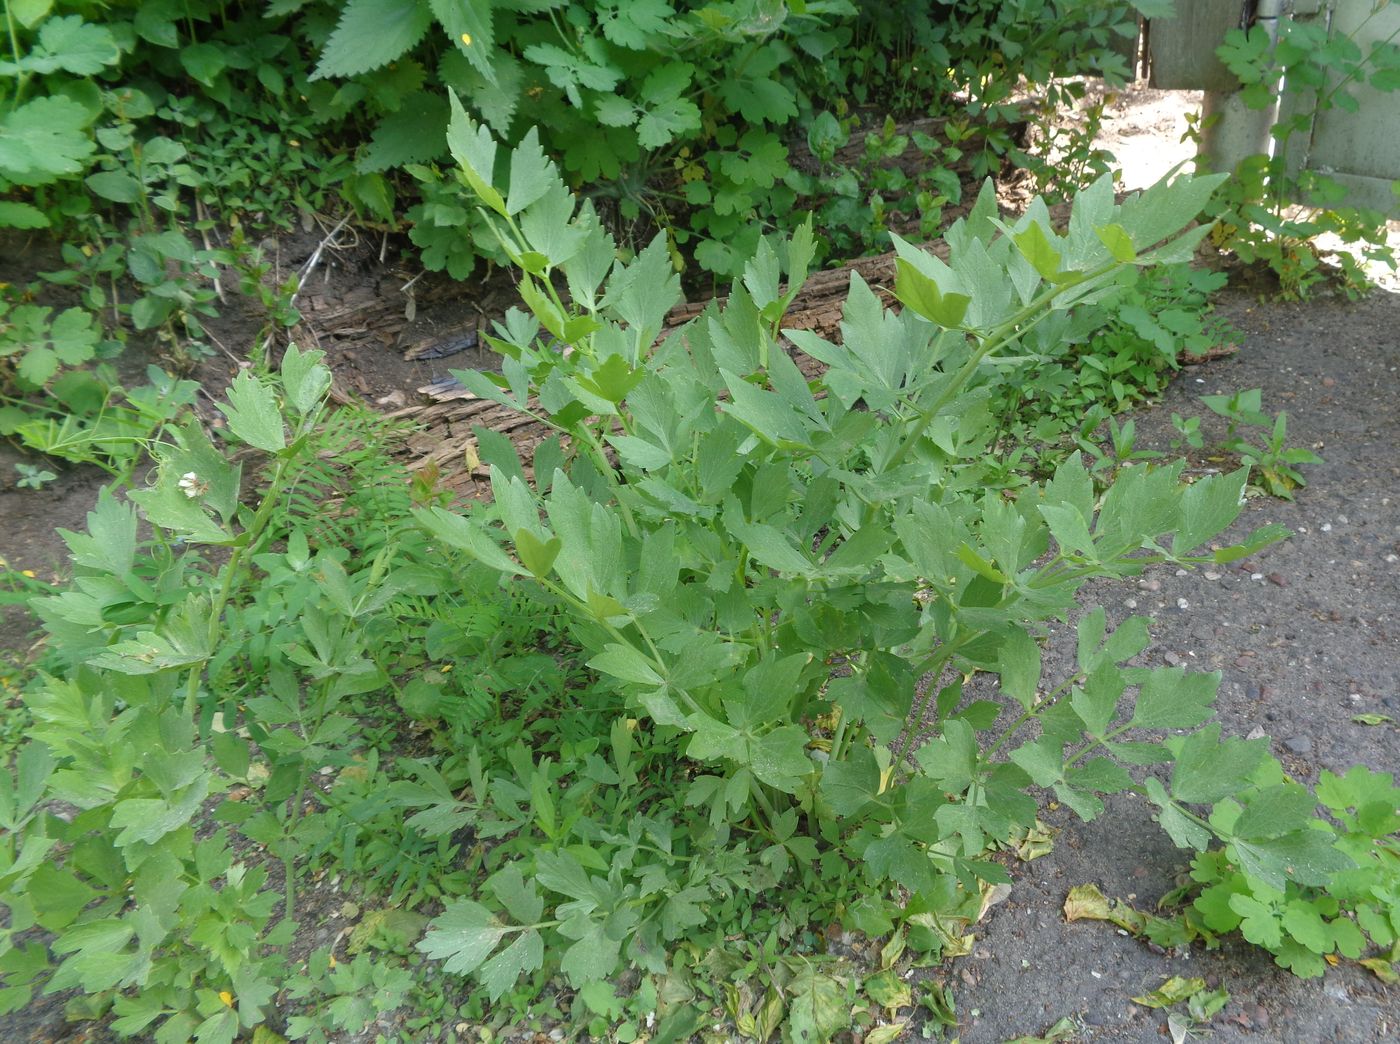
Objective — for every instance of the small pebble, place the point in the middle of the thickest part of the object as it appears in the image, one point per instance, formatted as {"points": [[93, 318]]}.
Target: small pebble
{"points": [[1151, 585], [1326, 527], [1212, 576], [1329, 382], [1256, 576], [1299, 744], [1131, 603], [1278, 580], [1182, 603]]}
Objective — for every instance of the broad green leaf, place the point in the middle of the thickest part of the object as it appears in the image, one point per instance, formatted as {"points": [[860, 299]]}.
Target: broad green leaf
{"points": [[21, 215], [1169, 698], [849, 785], [1208, 506], [1259, 922], [921, 294], [469, 25], [1119, 243], [462, 936], [304, 378], [779, 758], [1018, 662], [466, 535], [537, 556], [817, 1007], [44, 140], [626, 664], [502, 971], [147, 820], [1307, 857], [1274, 811], [1208, 769], [253, 415], [474, 149], [1035, 247], [371, 34]]}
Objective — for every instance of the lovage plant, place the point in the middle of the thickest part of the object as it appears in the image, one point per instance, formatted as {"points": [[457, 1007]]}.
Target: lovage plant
{"points": [[786, 579]]}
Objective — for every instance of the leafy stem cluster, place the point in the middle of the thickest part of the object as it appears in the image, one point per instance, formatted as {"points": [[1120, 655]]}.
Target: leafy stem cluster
{"points": [[779, 572], [1316, 71]]}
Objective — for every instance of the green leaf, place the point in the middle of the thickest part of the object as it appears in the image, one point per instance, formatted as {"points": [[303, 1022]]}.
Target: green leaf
{"points": [[416, 133], [1018, 661], [370, 34], [504, 970], [466, 535], [817, 1007], [21, 215], [537, 556], [44, 140], [849, 785], [626, 664], [253, 415], [531, 173], [1307, 857], [469, 24], [1208, 507], [462, 936], [1275, 811], [474, 149], [1119, 243], [30, 12], [1208, 769], [921, 294], [1172, 699], [1035, 247], [306, 381], [147, 820], [779, 758]]}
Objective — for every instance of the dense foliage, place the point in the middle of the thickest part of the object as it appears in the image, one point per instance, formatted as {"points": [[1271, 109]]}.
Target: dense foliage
{"points": [[748, 649]]}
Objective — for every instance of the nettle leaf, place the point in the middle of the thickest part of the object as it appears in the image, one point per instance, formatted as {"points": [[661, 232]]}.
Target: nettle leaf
{"points": [[370, 34], [470, 26], [416, 133]]}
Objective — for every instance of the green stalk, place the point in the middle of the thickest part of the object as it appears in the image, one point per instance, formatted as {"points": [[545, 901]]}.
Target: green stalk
{"points": [[231, 573], [22, 80], [997, 339]]}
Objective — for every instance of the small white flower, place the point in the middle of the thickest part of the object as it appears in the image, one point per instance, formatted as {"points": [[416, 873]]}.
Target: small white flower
{"points": [[192, 486]]}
